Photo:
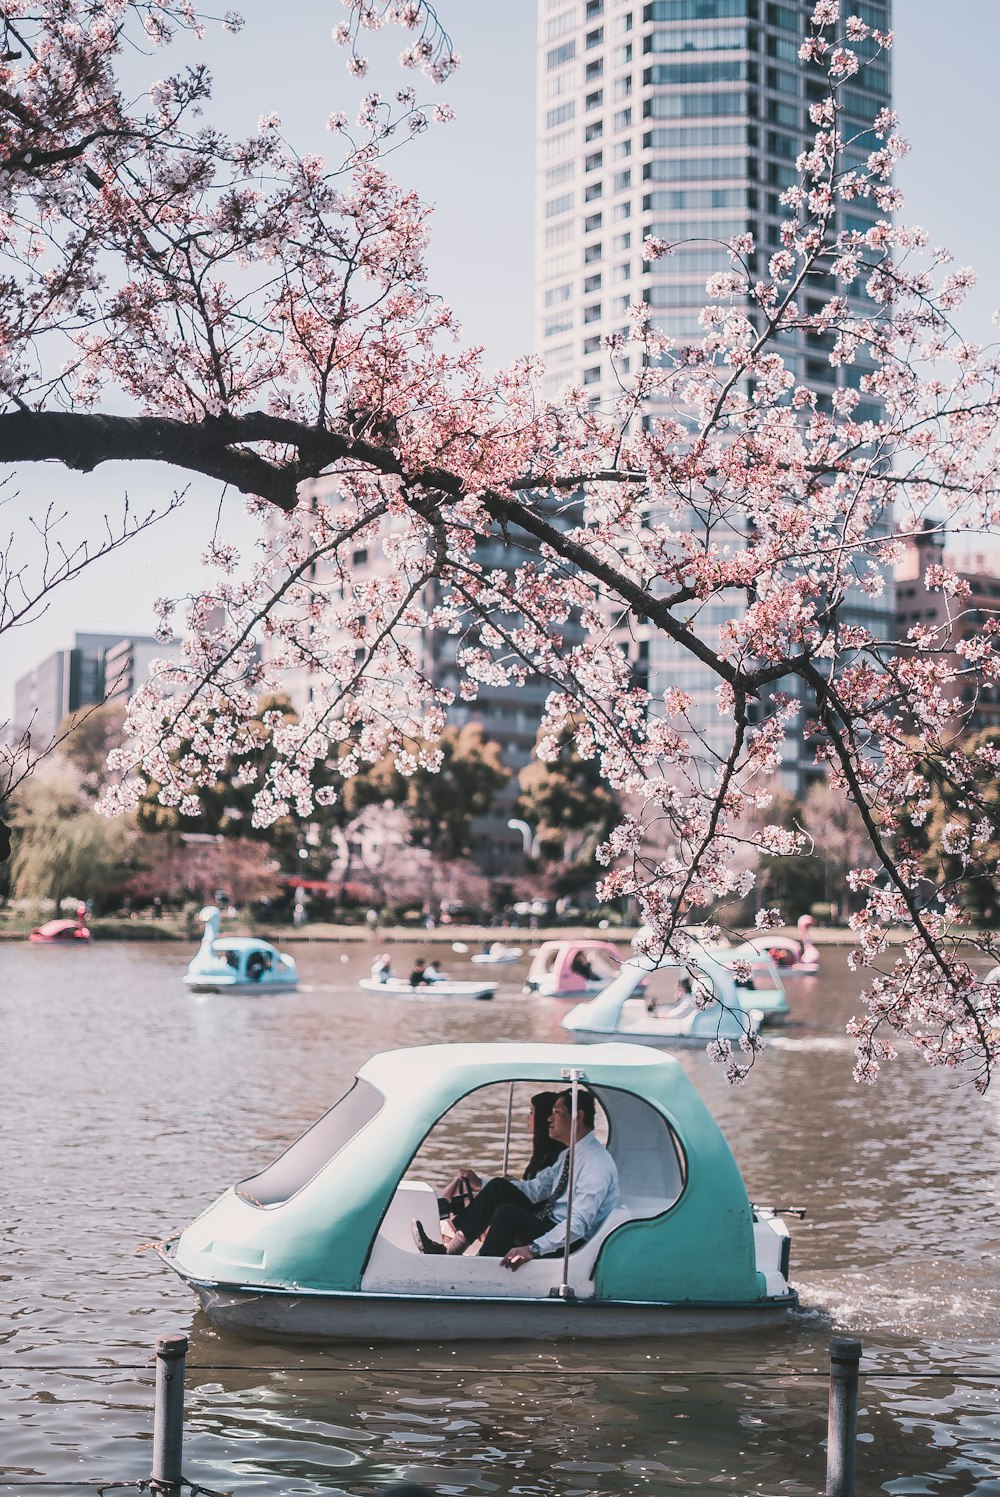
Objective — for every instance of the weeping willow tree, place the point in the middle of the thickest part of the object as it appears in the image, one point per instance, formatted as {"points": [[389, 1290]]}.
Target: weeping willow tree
{"points": [[62, 850]]}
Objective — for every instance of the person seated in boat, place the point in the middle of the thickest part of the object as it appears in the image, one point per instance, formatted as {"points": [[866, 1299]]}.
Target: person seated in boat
{"points": [[582, 966], [257, 964], [419, 973], [545, 1150], [528, 1220], [432, 973], [382, 967], [681, 992]]}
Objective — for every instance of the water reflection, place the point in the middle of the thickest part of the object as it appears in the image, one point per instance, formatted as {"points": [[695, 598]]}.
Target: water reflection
{"points": [[129, 1104]]}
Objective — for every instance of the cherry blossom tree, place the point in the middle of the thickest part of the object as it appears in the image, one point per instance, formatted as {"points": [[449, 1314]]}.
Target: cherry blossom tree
{"points": [[239, 310]]}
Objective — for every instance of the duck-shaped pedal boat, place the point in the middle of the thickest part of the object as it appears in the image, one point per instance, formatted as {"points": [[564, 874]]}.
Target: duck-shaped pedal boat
{"points": [[237, 964], [572, 969], [667, 1001], [63, 932], [793, 958], [496, 955], [320, 1243]]}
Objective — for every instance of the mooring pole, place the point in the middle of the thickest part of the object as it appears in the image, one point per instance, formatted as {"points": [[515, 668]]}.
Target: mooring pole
{"points": [[842, 1423], [168, 1416]]}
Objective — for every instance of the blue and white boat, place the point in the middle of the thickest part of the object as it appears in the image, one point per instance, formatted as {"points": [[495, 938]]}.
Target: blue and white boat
{"points": [[319, 1244], [237, 964], [668, 1001]]}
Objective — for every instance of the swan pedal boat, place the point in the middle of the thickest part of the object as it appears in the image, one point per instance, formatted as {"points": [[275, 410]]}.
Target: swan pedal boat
{"points": [[438, 987], [60, 933], [794, 958], [497, 955], [552, 974], [766, 991], [237, 964], [319, 1245], [713, 1009]]}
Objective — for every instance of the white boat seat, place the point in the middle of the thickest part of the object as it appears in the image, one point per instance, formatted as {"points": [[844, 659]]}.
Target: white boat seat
{"points": [[396, 1267]]}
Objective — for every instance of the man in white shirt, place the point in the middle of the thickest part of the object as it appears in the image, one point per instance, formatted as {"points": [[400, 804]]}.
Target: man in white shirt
{"points": [[528, 1220]]}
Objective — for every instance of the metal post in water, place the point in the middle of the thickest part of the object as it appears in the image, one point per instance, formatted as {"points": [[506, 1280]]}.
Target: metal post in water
{"points": [[842, 1423], [168, 1415]]}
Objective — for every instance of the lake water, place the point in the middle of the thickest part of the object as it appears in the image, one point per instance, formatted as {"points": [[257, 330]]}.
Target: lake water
{"points": [[128, 1104]]}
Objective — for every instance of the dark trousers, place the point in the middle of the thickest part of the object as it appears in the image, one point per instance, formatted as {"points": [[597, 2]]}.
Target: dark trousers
{"points": [[505, 1214]]}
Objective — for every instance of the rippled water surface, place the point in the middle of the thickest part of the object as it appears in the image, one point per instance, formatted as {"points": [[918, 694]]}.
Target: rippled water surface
{"points": [[128, 1105]]}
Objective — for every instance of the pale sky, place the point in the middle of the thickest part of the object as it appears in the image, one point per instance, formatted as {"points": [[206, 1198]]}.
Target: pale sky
{"points": [[478, 174]]}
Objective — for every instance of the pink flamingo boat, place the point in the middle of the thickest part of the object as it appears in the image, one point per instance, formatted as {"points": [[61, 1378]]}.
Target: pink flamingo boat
{"points": [[793, 958], [63, 932]]}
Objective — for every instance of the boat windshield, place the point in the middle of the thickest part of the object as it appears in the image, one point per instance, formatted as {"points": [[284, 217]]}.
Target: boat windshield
{"points": [[314, 1149], [669, 985]]}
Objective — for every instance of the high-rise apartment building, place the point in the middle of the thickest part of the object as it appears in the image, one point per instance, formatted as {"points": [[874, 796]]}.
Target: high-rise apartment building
{"points": [[680, 119], [94, 668]]}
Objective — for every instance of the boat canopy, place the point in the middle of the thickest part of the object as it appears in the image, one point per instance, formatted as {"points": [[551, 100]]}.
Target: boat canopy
{"points": [[319, 1219]]}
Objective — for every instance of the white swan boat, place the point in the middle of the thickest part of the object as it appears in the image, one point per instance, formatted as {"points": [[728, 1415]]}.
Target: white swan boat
{"points": [[666, 1002], [497, 955], [237, 964], [319, 1243]]}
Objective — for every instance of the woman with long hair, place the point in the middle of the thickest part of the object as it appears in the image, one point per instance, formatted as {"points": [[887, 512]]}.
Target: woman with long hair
{"points": [[544, 1149]]}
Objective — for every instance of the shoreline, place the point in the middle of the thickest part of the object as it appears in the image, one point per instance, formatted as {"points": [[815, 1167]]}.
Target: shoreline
{"points": [[441, 935]]}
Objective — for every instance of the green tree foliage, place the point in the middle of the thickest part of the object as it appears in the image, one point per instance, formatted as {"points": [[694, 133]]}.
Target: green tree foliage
{"points": [[61, 849], [839, 840], [226, 807], [440, 806], [968, 884], [571, 810], [86, 740], [795, 883]]}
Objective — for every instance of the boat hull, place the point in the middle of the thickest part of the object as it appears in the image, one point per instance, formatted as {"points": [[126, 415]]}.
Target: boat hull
{"points": [[398, 987], [660, 1040], [372, 1317], [219, 985]]}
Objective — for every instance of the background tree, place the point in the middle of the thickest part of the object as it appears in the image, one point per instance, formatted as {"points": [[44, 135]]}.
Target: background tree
{"points": [[566, 800], [86, 739], [168, 866], [958, 847], [839, 840], [442, 788], [792, 881], [63, 849]]}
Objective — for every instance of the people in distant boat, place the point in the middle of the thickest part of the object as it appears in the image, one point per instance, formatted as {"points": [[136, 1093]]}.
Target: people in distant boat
{"points": [[382, 967], [424, 972], [681, 992], [258, 963], [528, 1220], [583, 967]]}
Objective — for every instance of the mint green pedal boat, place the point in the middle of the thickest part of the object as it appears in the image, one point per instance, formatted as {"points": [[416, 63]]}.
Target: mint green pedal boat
{"points": [[319, 1245]]}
